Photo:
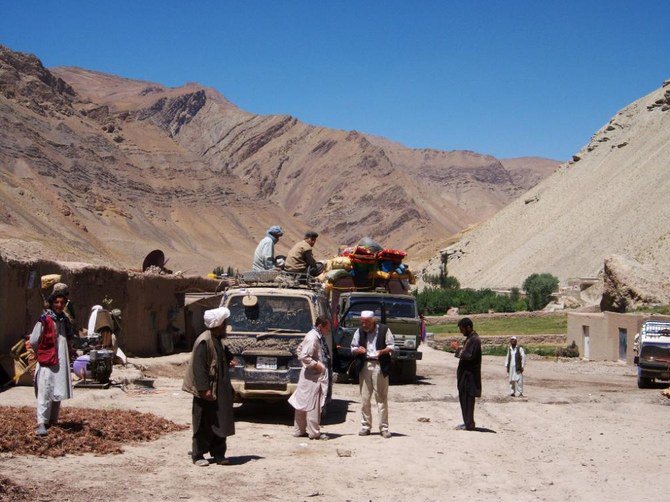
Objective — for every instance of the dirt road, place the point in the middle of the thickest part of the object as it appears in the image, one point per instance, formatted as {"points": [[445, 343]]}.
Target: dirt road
{"points": [[583, 432]]}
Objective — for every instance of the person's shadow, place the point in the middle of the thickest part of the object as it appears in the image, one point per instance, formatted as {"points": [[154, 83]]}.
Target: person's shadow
{"points": [[336, 412], [243, 459]]}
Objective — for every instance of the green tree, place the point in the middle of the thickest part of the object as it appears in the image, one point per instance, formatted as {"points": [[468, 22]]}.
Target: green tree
{"points": [[538, 288]]}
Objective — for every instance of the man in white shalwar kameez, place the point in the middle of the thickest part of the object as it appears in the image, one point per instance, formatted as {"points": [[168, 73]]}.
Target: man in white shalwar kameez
{"points": [[310, 396], [50, 340], [515, 362]]}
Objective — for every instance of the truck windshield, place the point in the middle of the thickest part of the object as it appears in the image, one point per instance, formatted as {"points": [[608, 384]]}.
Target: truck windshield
{"points": [[395, 308], [400, 307], [272, 314], [655, 352]]}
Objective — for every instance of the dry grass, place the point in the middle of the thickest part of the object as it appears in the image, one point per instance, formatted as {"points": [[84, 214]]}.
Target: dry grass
{"points": [[79, 431]]}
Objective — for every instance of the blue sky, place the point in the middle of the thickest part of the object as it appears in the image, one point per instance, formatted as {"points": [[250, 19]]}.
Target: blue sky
{"points": [[507, 78]]}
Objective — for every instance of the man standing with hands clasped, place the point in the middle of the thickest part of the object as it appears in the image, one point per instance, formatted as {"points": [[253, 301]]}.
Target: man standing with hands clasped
{"points": [[372, 346], [310, 396], [515, 362], [208, 379], [469, 373]]}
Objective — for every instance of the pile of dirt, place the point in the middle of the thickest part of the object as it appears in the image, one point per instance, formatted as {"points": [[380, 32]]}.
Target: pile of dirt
{"points": [[79, 431], [10, 491]]}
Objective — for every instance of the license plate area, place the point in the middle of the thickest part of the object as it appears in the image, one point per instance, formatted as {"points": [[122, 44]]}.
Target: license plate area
{"points": [[266, 363]]}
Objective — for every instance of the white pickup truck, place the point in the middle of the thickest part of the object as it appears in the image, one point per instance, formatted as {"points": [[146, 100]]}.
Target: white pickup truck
{"points": [[652, 353]]}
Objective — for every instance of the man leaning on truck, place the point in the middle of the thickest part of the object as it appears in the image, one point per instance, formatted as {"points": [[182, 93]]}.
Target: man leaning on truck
{"points": [[372, 346]]}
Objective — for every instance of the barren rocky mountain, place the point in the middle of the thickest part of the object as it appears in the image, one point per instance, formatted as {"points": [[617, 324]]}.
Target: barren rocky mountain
{"points": [[611, 199], [100, 168]]}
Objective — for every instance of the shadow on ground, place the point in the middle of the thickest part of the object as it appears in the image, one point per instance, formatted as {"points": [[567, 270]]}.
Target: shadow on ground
{"points": [[280, 412]]}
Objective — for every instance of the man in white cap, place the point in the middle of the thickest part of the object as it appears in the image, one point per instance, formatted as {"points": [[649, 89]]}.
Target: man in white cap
{"points": [[372, 346], [515, 362], [264, 256], [208, 379]]}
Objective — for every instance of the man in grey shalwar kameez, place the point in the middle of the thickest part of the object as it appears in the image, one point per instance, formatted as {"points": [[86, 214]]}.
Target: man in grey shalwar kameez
{"points": [[51, 340], [310, 396], [208, 379]]}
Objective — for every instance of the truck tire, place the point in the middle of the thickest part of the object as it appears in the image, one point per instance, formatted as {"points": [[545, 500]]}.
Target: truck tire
{"points": [[340, 377], [407, 372], [644, 383]]}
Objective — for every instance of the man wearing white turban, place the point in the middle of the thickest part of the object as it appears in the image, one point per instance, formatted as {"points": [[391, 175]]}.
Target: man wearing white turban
{"points": [[208, 379]]}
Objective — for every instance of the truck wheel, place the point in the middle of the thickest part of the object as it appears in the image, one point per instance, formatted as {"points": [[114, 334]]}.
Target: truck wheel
{"points": [[644, 383], [408, 372], [340, 377]]}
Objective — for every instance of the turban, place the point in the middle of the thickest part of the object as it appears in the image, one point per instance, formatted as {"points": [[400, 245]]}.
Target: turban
{"points": [[367, 314], [60, 287], [215, 317], [275, 230]]}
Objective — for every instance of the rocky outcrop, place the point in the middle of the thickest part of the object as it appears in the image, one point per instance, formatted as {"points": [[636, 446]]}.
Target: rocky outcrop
{"points": [[24, 78], [629, 284], [173, 113]]}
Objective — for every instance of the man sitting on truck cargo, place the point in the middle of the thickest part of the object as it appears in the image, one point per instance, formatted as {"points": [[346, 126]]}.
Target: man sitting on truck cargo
{"points": [[264, 256], [372, 346], [300, 259]]}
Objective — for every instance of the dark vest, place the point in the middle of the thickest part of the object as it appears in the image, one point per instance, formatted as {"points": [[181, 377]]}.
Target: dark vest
{"points": [[517, 358], [384, 359]]}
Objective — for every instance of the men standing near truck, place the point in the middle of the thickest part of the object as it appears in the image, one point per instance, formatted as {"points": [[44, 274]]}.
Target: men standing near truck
{"points": [[208, 379], [372, 346], [310, 396], [264, 256], [300, 259], [469, 372], [515, 362]]}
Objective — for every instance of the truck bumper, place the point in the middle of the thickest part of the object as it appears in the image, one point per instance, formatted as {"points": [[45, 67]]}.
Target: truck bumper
{"points": [[654, 373], [408, 355], [264, 384]]}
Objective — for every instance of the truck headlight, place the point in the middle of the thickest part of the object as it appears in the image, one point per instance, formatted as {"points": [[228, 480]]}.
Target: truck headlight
{"points": [[410, 343]]}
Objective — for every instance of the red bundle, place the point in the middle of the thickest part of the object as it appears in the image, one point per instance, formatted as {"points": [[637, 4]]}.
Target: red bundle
{"points": [[394, 255], [362, 255]]}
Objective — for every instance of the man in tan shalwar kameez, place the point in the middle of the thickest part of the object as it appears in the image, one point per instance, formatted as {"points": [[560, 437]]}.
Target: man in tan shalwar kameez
{"points": [[310, 396]]}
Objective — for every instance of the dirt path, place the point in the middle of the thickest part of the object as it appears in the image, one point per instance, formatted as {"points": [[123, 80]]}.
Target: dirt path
{"points": [[583, 432]]}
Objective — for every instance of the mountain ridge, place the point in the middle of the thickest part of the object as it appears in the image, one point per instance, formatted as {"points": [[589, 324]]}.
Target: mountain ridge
{"points": [[133, 165]]}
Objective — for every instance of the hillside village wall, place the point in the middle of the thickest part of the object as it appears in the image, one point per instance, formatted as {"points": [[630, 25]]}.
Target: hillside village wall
{"points": [[607, 336], [152, 305]]}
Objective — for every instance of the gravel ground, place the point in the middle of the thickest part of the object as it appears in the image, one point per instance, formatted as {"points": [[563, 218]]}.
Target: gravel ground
{"points": [[583, 431]]}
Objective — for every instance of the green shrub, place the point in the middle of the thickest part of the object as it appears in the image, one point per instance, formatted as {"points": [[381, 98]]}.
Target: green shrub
{"points": [[538, 288], [469, 301]]}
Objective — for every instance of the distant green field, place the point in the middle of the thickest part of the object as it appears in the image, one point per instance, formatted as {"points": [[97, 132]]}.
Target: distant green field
{"points": [[508, 326]]}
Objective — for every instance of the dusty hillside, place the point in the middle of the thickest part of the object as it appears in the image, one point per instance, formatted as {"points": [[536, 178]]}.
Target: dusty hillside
{"points": [[612, 198], [101, 168]]}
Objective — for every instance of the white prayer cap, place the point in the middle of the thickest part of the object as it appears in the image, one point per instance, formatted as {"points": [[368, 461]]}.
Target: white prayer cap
{"points": [[367, 314], [513, 338], [215, 317]]}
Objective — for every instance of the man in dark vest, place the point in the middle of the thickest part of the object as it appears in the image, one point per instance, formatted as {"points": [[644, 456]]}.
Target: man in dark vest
{"points": [[515, 362], [372, 346], [469, 373], [208, 379]]}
